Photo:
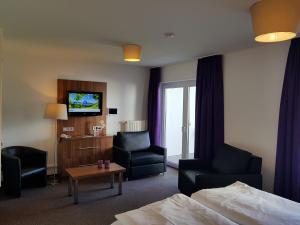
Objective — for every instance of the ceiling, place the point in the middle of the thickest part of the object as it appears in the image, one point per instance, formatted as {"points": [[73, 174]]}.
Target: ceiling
{"points": [[202, 27]]}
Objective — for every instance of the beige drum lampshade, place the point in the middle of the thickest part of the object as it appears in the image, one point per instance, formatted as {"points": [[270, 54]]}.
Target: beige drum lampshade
{"points": [[274, 20], [56, 111], [132, 53]]}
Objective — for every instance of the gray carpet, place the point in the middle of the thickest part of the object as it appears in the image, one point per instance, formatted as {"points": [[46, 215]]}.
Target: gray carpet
{"points": [[97, 203]]}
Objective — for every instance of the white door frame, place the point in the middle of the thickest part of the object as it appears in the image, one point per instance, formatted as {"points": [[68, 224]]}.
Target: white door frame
{"points": [[1, 72], [185, 119]]}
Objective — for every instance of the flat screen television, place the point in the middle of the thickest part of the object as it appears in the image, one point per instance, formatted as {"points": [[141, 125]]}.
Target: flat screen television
{"points": [[84, 103]]}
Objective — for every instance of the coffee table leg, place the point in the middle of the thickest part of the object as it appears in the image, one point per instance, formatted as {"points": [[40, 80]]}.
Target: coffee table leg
{"points": [[112, 180], [75, 191], [120, 182], [70, 186]]}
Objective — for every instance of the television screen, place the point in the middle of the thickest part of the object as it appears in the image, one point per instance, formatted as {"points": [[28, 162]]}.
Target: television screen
{"points": [[85, 103]]}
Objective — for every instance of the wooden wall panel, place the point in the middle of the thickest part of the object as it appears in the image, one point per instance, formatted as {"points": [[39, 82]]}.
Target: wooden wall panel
{"points": [[81, 150], [80, 124]]}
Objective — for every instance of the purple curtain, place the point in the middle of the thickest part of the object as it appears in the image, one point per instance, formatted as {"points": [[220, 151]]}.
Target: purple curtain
{"points": [[209, 127], [287, 172], [154, 106]]}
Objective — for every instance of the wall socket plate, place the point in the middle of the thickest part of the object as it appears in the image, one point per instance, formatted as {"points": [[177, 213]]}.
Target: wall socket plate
{"points": [[69, 129]]}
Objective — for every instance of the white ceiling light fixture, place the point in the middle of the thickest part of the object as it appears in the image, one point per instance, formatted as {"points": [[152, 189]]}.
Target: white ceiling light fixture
{"points": [[132, 52], [274, 20]]}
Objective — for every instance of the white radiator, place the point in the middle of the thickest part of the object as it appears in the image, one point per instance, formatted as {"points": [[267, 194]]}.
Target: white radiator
{"points": [[132, 126]]}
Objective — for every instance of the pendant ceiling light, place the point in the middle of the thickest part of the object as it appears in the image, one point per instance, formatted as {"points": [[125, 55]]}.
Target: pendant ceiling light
{"points": [[132, 52], [274, 20]]}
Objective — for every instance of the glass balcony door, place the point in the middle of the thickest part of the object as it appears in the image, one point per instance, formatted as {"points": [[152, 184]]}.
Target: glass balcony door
{"points": [[178, 101]]}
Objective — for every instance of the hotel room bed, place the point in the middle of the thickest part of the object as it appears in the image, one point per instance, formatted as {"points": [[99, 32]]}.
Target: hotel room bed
{"points": [[235, 204]]}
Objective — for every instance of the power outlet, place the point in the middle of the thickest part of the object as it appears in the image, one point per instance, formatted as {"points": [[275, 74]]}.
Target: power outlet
{"points": [[68, 129]]}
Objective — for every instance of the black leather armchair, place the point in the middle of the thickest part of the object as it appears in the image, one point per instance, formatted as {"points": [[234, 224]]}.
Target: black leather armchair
{"points": [[133, 151], [228, 166], [23, 167]]}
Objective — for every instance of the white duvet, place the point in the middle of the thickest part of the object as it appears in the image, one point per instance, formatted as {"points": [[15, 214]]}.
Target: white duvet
{"points": [[176, 210], [232, 205], [249, 206]]}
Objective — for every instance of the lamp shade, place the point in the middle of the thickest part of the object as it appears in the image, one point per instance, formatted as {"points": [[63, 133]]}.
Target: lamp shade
{"points": [[56, 111], [274, 20], [132, 53]]}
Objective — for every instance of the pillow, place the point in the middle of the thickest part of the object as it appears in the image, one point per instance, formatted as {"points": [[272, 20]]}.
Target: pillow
{"points": [[231, 160]]}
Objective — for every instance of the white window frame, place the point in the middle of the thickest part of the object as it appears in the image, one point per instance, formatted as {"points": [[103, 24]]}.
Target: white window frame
{"points": [[185, 120]]}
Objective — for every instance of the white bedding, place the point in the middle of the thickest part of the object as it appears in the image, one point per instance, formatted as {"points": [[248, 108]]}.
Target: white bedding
{"points": [[116, 223], [176, 210], [232, 205], [248, 206]]}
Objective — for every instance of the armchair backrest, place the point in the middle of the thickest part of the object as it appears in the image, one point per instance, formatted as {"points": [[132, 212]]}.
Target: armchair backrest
{"points": [[132, 141], [12, 151], [255, 165], [231, 160], [29, 157]]}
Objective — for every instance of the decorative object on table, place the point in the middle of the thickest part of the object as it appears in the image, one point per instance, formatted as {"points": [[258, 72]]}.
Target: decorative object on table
{"points": [[98, 130], [65, 136], [100, 164], [56, 112], [107, 164]]}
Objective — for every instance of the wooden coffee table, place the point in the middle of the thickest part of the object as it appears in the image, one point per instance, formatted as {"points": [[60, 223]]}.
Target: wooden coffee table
{"points": [[79, 173]]}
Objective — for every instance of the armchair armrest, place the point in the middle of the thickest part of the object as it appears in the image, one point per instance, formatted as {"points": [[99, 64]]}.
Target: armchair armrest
{"points": [[11, 168], [121, 156], [193, 164], [158, 149], [221, 180], [33, 157], [10, 163]]}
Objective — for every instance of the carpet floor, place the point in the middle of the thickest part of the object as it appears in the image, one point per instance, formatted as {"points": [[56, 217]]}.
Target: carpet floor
{"points": [[97, 203]]}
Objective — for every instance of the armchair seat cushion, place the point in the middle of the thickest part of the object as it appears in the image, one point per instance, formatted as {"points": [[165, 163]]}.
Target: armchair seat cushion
{"points": [[30, 171], [192, 174], [144, 158]]}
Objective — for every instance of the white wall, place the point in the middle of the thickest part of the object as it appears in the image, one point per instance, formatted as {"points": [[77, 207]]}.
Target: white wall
{"points": [[30, 82], [252, 89]]}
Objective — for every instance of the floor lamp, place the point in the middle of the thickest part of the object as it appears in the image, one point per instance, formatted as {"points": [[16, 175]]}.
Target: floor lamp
{"points": [[55, 112]]}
